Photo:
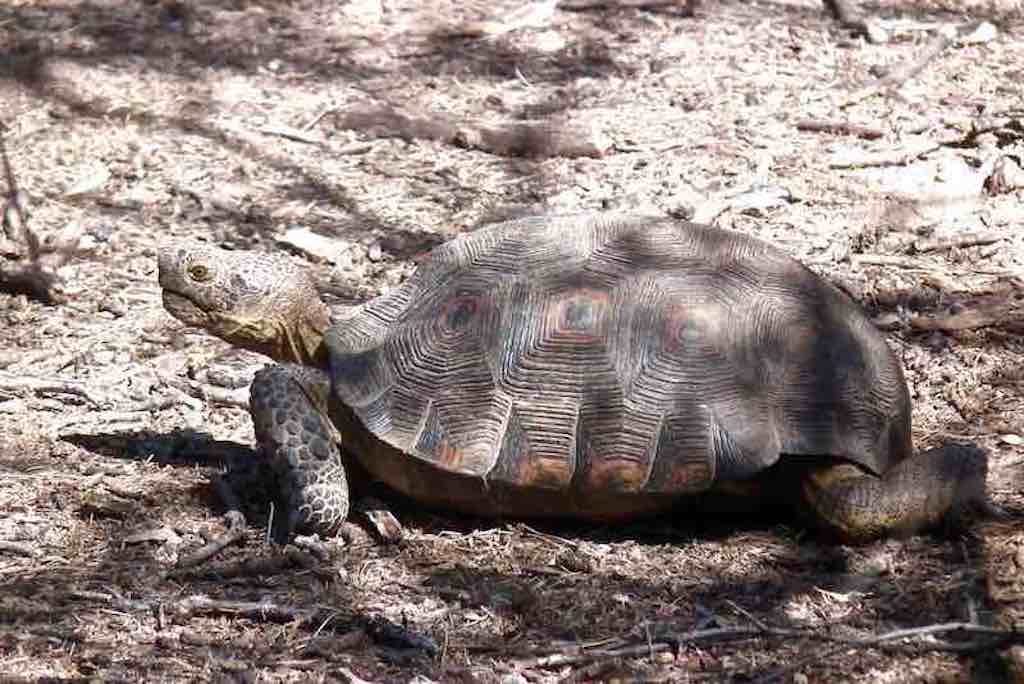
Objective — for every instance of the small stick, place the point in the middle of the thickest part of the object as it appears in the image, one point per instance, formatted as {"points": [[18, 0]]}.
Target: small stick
{"points": [[235, 534], [899, 157], [908, 263], [211, 393], [18, 384], [266, 565], [580, 5], [15, 211], [897, 77], [839, 128], [985, 317], [943, 38], [538, 139], [849, 19], [989, 638], [533, 14], [255, 610], [17, 548], [960, 241], [292, 134], [318, 118]]}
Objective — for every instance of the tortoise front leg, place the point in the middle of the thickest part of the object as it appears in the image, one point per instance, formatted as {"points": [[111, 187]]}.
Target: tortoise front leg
{"points": [[289, 412], [916, 494]]}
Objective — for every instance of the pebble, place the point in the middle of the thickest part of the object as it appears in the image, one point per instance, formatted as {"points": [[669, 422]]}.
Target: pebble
{"points": [[314, 245]]}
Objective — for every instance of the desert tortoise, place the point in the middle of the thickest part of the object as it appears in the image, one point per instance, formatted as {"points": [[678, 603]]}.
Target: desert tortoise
{"points": [[598, 367]]}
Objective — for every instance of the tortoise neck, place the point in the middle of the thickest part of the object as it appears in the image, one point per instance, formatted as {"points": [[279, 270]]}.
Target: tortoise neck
{"points": [[302, 341]]}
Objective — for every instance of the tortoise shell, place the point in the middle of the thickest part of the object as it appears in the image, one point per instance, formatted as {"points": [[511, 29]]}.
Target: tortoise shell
{"points": [[615, 355]]}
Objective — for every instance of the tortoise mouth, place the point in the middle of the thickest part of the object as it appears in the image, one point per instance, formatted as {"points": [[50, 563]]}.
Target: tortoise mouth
{"points": [[184, 309]]}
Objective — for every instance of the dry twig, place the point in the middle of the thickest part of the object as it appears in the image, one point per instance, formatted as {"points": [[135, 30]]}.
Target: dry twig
{"points": [[296, 134], [995, 312], [15, 218], [217, 396], [943, 38], [235, 534], [840, 128], [288, 560], [20, 384], [900, 156], [535, 13], [581, 5], [541, 139], [34, 277], [960, 241], [254, 610], [985, 639], [18, 549], [850, 19], [382, 630]]}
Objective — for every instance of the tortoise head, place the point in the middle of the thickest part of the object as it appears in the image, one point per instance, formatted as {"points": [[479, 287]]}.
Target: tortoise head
{"points": [[261, 302]]}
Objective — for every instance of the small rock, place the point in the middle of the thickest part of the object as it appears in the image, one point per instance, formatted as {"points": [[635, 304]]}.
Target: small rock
{"points": [[887, 321], [876, 35], [984, 32], [350, 677], [104, 357], [574, 560], [13, 407], [1011, 439], [354, 535], [371, 11], [374, 252], [162, 534], [229, 377], [1006, 176], [113, 305], [90, 180], [513, 678], [381, 520], [314, 245], [1016, 664]]}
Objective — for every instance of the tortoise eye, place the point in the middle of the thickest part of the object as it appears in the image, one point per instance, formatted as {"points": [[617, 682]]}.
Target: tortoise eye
{"points": [[198, 272]]}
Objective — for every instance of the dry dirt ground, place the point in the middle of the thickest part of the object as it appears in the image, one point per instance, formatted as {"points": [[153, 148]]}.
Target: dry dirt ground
{"points": [[133, 122]]}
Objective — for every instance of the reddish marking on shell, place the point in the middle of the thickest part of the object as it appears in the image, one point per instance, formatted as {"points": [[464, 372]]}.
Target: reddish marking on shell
{"points": [[685, 325], [615, 474], [439, 450], [578, 315], [688, 477], [547, 473], [459, 313], [468, 461]]}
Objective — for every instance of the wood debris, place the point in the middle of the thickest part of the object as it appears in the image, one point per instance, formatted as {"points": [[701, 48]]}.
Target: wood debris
{"points": [[559, 137], [28, 264], [533, 14]]}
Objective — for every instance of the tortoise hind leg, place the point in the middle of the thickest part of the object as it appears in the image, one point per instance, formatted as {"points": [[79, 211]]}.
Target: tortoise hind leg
{"points": [[917, 493], [289, 412]]}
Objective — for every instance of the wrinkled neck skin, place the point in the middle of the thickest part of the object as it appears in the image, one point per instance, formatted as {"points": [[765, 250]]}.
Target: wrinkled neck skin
{"points": [[286, 339], [303, 342]]}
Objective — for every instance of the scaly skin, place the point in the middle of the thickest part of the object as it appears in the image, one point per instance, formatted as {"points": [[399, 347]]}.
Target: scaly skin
{"points": [[916, 494], [289, 413]]}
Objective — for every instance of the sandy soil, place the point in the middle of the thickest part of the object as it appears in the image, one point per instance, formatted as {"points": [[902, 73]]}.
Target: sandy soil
{"points": [[134, 122]]}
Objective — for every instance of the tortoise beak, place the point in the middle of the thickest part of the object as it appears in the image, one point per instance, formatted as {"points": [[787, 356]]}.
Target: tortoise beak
{"points": [[182, 308]]}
